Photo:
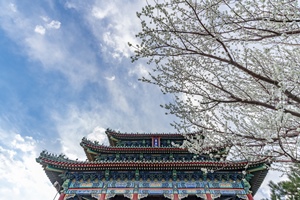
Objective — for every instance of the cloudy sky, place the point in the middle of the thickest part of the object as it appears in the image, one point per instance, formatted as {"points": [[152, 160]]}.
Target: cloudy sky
{"points": [[66, 73]]}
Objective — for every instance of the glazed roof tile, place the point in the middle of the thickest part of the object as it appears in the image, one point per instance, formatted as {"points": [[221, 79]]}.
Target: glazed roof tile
{"points": [[61, 162], [102, 148], [120, 135]]}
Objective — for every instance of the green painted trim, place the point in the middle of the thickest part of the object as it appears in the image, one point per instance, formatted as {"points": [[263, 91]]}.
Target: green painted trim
{"points": [[54, 169], [91, 151], [260, 168], [114, 139]]}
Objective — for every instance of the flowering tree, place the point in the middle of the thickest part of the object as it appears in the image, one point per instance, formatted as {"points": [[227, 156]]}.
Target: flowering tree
{"points": [[234, 70]]}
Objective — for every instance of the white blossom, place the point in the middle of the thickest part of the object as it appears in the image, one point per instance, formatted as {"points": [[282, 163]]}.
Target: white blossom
{"points": [[233, 68]]}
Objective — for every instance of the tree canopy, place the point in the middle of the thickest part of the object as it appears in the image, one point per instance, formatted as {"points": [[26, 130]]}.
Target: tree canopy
{"points": [[234, 70], [289, 189]]}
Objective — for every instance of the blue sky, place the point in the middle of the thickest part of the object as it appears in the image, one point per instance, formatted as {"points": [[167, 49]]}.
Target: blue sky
{"points": [[66, 73]]}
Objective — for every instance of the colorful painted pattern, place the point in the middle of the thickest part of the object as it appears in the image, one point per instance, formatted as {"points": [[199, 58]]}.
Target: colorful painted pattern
{"points": [[156, 188]]}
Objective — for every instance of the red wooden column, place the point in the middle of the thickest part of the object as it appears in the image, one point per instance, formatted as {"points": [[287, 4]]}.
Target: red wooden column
{"points": [[62, 196], [208, 196], [102, 196], [250, 196], [176, 196], [135, 196]]}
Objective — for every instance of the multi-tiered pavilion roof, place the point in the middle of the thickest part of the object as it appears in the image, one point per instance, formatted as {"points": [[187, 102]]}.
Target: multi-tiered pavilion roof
{"points": [[148, 166]]}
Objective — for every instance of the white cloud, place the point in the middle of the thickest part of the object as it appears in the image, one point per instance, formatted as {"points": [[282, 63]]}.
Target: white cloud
{"points": [[25, 144], [45, 18], [19, 172], [60, 51], [117, 25], [111, 78], [74, 124], [123, 111], [77, 64], [13, 7], [120, 96], [53, 25], [99, 135], [103, 11], [139, 70], [40, 29]]}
